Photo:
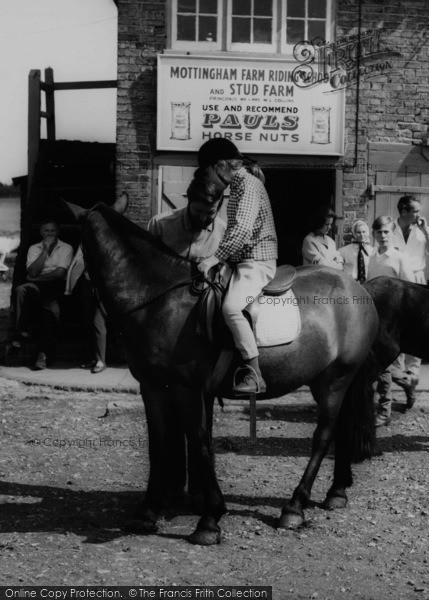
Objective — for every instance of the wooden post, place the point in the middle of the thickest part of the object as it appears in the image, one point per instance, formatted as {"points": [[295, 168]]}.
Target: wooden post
{"points": [[252, 414], [50, 103], [33, 125]]}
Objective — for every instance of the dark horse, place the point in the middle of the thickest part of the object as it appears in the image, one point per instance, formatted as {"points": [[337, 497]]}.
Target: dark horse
{"points": [[146, 289], [403, 310]]}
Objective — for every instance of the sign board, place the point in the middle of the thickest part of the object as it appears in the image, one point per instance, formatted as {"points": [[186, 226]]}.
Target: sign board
{"points": [[253, 102]]}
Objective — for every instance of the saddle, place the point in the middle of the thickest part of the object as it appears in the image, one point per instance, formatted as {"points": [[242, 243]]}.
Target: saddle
{"points": [[210, 322], [211, 325]]}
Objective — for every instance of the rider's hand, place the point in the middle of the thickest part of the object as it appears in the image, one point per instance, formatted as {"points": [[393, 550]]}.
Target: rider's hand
{"points": [[205, 265]]}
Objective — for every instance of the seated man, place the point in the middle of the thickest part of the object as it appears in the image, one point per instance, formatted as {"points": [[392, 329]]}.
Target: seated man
{"points": [[47, 264]]}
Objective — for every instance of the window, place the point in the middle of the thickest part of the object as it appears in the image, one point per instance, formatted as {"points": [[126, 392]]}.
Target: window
{"points": [[196, 24], [305, 20], [259, 26], [252, 26]]}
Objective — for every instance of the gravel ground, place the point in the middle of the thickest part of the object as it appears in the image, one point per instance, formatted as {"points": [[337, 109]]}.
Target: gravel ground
{"points": [[71, 472]]}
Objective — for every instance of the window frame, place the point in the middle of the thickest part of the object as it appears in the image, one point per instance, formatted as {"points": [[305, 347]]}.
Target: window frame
{"points": [[196, 45], [287, 49], [224, 44], [249, 47]]}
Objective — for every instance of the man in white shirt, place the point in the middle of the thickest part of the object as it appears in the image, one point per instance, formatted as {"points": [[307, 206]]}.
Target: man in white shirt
{"points": [[195, 231], [411, 237], [389, 262], [47, 264]]}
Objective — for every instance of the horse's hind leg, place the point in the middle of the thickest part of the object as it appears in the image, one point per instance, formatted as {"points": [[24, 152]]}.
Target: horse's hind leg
{"points": [[354, 435], [329, 396], [343, 478]]}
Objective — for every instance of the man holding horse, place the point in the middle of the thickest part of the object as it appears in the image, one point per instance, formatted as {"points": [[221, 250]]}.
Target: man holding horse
{"points": [[250, 243], [411, 238], [195, 231]]}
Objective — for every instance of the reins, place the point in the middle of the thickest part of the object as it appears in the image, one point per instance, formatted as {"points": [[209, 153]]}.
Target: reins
{"points": [[197, 283]]}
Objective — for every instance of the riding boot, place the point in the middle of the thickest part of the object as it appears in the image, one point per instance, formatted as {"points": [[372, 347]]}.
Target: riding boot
{"points": [[251, 380]]}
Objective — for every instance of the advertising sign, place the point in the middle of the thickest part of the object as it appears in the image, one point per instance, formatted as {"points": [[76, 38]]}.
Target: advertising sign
{"points": [[253, 102]]}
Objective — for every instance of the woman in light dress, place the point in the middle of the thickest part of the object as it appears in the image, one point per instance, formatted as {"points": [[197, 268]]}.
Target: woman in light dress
{"points": [[318, 248]]}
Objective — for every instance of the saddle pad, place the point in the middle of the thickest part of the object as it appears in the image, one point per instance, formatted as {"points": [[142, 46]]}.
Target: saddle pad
{"points": [[279, 320]]}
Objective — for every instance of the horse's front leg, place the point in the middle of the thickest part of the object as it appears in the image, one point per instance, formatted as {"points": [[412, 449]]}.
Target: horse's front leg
{"points": [[167, 457], [329, 402], [197, 424], [195, 489]]}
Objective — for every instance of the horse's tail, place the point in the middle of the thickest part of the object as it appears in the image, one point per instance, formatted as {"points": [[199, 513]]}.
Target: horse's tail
{"points": [[355, 431]]}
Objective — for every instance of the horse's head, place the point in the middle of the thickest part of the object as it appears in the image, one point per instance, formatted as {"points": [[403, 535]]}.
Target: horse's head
{"points": [[127, 264]]}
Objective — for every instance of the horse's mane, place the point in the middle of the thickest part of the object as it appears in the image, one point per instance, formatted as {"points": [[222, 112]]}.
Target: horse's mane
{"points": [[138, 239]]}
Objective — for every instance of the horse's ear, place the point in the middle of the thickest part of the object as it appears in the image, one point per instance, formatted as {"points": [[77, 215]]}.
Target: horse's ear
{"points": [[78, 212], [121, 204]]}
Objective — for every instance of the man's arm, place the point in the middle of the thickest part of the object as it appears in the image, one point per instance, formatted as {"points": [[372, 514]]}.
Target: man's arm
{"points": [[423, 226], [37, 265], [58, 273], [34, 268]]}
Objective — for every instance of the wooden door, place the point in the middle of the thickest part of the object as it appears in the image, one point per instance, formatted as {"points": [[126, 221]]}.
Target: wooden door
{"points": [[400, 169]]}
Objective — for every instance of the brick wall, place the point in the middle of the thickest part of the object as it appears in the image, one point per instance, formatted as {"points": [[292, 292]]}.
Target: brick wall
{"points": [[393, 105], [141, 36]]}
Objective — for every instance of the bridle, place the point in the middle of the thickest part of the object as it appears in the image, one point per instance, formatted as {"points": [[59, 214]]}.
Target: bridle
{"points": [[197, 283]]}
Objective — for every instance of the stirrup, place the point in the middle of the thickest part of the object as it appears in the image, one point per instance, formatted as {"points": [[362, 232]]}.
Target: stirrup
{"points": [[251, 369]]}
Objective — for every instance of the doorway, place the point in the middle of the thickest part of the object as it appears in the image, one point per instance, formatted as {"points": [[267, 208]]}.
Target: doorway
{"points": [[295, 195]]}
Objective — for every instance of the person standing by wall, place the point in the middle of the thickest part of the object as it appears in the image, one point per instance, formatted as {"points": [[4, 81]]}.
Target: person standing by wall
{"points": [[386, 261], [318, 248], [412, 238], [356, 255]]}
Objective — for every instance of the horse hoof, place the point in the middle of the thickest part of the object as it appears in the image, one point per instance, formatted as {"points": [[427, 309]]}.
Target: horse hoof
{"points": [[204, 538], [334, 502], [290, 520], [141, 526], [207, 533]]}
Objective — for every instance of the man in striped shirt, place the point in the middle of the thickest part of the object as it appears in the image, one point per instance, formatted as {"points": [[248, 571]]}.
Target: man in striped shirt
{"points": [[250, 243]]}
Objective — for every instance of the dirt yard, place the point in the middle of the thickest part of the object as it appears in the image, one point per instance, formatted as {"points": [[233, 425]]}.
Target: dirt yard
{"points": [[70, 474]]}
